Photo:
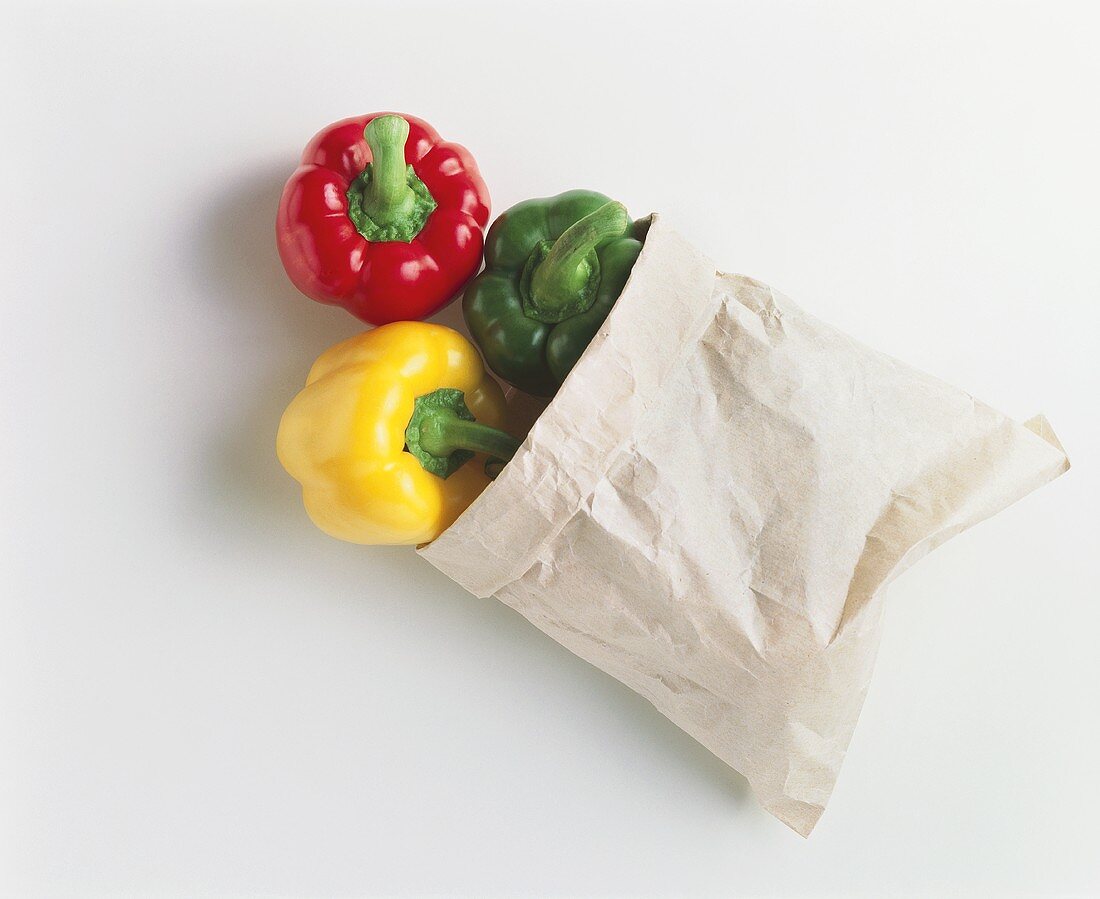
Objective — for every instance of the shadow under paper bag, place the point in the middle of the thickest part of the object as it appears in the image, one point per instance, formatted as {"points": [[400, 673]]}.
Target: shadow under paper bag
{"points": [[711, 506]]}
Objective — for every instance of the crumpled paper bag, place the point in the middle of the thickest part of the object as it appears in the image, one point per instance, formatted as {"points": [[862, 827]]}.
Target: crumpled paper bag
{"points": [[712, 505]]}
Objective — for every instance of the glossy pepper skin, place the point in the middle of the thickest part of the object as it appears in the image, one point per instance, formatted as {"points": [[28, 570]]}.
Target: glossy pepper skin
{"points": [[553, 269], [391, 229], [369, 404]]}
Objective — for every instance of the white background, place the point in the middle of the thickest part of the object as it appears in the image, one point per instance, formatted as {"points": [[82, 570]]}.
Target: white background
{"points": [[201, 695]]}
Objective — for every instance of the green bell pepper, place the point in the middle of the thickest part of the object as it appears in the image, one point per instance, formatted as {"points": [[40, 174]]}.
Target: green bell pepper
{"points": [[554, 267]]}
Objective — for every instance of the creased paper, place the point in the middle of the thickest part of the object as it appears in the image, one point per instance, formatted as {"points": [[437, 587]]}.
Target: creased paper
{"points": [[710, 509]]}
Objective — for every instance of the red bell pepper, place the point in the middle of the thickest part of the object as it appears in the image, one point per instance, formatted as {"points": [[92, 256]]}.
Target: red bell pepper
{"points": [[383, 217]]}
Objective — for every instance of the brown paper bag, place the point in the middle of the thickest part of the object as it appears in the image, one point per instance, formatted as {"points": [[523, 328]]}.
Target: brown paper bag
{"points": [[712, 505]]}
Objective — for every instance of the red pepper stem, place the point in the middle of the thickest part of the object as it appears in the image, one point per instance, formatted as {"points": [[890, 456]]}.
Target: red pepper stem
{"points": [[566, 271], [388, 196], [442, 433]]}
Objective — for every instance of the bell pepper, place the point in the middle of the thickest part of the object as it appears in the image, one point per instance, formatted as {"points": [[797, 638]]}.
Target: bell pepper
{"points": [[553, 269], [383, 436], [383, 218]]}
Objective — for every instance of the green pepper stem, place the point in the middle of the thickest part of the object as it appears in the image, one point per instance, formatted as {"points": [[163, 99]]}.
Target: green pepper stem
{"points": [[388, 196], [442, 433], [564, 274]]}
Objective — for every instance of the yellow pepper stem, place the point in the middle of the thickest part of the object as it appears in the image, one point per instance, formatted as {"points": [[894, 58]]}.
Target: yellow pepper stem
{"points": [[443, 434]]}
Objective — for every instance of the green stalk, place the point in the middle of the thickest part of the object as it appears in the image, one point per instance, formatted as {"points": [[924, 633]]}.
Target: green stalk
{"points": [[388, 196], [443, 433], [564, 281]]}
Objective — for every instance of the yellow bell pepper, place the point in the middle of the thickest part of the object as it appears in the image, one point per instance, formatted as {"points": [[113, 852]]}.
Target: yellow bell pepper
{"points": [[383, 437]]}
